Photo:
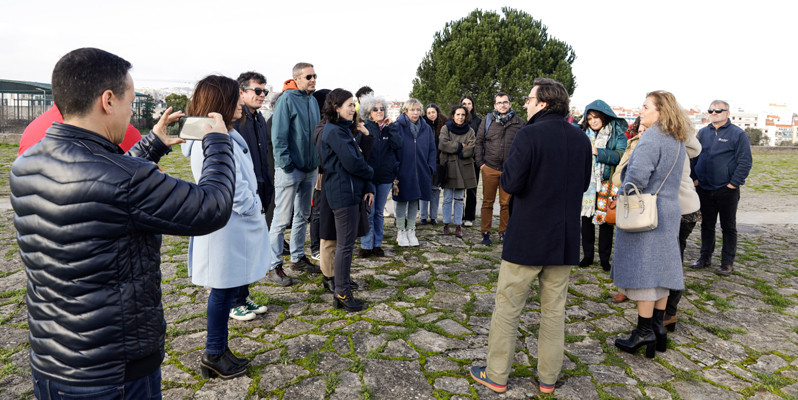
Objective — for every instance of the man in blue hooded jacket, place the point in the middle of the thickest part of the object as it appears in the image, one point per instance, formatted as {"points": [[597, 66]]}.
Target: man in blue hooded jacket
{"points": [[718, 173], [296, 113]]}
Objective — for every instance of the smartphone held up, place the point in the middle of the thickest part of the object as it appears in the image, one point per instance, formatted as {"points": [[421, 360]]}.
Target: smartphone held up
{"points": [[193, 128]]}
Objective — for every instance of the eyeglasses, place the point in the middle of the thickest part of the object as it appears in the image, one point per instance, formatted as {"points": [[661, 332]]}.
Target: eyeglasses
{"points": [[527, 98], [375, 109], [715, 110], [309, 76], [502, 103], [258, 91]]}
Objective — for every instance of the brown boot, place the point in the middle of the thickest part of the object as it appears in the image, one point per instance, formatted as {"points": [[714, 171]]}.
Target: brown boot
{"points": [[670, 322], [458, 231], [619, 298], [446, 229]]}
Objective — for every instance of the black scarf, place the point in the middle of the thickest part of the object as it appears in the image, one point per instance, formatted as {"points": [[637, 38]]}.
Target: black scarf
{"points": [[457, 129]]}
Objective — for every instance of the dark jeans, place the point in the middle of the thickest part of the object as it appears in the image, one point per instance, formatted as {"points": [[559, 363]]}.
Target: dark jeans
{"points": [[721, 202], [147, 387], [219, 303], [315, 241], [241, 297], [685, 228], [346, 219], [604, 241], [470, 212]]}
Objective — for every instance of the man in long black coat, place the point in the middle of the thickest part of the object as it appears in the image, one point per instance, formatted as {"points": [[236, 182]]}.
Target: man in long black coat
{"points": [[546, 172]]}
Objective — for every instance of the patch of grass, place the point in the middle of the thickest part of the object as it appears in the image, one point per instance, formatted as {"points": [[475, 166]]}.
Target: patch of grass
{"points": [[723, 333], [374, 283], [331, 380], [573, 338], [311, 360], [468, 307], [357, 366]]}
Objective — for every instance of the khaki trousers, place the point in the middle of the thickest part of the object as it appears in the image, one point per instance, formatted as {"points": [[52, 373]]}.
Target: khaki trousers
{"points": [[490, 183], [326, 260], [511, 295]]}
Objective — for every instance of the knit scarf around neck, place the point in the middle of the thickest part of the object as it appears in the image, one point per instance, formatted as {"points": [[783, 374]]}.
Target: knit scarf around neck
{"points": [[457, 129], [598, 140], [503, 119]]}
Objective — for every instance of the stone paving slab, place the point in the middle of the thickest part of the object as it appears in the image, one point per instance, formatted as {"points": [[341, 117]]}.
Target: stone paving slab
{"points": [[428, 318]]}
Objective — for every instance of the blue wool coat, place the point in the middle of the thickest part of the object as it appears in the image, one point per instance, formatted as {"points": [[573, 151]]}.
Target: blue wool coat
{"points": [[547, 171], [347, 175], [651, 259], [237, 254], [417, 161]]}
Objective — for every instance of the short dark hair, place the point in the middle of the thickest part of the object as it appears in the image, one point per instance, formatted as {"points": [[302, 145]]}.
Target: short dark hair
{"points": [[467, 114], [554, 94], [82, 75], [215, 93], [334, 99], [245, 77], [502, 94], [364, 90]]}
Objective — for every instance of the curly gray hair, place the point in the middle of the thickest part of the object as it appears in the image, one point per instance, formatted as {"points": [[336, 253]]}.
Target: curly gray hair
{"points": [[367, 102]]}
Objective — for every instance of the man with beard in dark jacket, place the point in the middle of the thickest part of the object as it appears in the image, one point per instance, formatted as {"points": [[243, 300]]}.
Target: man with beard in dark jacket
{"points": [[547, 171], [89, 221]]}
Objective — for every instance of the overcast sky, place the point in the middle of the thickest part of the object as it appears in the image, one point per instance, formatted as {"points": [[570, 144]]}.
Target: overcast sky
{"points": [[741, 51]]}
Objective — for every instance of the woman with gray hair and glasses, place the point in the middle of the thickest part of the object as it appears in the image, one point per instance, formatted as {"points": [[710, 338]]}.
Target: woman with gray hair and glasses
{"points": [[384, 159]]}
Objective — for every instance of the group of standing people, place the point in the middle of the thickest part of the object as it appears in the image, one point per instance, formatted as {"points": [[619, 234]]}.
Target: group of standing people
{"points": [[103, 332]]}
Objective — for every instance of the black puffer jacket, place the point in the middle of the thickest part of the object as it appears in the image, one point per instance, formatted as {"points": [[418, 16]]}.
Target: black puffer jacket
{"points": [[88, 222]]}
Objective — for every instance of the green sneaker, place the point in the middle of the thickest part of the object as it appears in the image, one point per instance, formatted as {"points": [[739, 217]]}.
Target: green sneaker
{"points": [[241, 313], [254, 307]]}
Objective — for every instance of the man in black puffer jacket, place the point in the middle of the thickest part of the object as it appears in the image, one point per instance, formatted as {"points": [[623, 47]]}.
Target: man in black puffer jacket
{"points": [[89, 221]]}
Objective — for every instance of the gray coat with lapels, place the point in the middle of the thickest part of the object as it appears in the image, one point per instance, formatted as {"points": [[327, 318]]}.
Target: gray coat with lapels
{"points": [[651, 259]]}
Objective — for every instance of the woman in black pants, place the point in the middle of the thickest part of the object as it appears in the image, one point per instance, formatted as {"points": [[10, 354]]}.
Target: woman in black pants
{"points": [[347, 183], [470, 212]]}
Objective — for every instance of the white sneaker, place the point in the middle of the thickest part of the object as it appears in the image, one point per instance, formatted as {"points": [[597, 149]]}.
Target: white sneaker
{"points": [[401, 238], [468, 223], [241, 313], [411, 237]]}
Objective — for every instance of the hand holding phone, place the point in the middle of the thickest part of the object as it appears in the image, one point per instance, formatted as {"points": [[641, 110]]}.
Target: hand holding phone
{"points": [[194, 128]]}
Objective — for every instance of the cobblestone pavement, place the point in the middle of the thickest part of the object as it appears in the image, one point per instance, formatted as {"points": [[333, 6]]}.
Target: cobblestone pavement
{"points": [[428, 318]]}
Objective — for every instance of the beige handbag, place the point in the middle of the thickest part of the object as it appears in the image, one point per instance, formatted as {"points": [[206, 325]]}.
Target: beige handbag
{"points": [[637, 212]]}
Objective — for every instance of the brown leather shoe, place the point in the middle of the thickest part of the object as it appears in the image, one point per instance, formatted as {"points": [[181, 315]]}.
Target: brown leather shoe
{"points": [[700, 264], [458, 231], [725, 270], [669, 322], [446, 229], [619, 298]]}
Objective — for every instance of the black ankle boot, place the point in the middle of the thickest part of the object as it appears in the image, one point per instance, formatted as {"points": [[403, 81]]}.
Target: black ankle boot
{"points": [[243, 362], [347, 302], [659, 330], [642, 336], [328, 283], [220, 364], [585, 262]]}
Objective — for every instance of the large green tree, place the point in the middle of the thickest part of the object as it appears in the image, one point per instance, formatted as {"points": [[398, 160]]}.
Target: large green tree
{"points": [[485, 53], [178, 102]]}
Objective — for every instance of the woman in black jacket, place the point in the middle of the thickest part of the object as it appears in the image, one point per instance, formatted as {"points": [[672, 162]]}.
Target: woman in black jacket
{"points": [[429, 209], [347, 176], [470, 212], [384, 159]]}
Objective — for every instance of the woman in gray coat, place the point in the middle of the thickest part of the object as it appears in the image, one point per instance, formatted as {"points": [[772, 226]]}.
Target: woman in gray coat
{"points": [[647, 264], [456, 145]]}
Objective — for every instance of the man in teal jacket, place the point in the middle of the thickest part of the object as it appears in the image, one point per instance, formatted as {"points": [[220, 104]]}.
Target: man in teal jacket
{"points": [[295, 161]]}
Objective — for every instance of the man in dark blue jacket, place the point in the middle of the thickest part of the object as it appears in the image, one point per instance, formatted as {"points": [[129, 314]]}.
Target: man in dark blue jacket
{"points": [[252, 87], [89, 221], [546, 171], [718, 173]]}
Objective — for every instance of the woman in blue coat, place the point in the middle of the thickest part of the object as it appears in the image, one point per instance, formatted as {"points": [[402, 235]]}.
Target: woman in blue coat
{"points": [[417, 162], [346, 183], [647, 265], [237, 254], [607, 135]]}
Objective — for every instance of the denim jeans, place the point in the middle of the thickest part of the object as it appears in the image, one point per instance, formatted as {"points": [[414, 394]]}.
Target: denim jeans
{"points": [[722, 202], [374, 237], [146, 387], [240, 297], [406, 214], [456, 196], [291, 188], [219, 303], [429, 209]]}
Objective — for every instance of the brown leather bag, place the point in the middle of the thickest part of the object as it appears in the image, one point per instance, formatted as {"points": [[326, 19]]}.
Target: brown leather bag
{"points": [[610, 217]]}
